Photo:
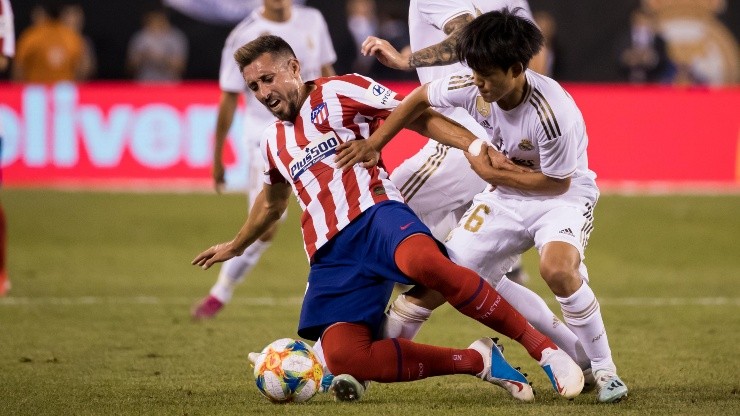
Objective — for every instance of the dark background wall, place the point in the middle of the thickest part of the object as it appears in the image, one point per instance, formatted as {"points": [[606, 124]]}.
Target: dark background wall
{"points": [[586, 33]]}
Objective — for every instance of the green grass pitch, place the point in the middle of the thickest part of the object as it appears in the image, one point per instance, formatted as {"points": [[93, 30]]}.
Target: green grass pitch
{"points": [[97, 321]]}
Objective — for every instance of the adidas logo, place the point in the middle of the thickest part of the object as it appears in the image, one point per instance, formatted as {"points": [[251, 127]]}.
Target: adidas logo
{"points": [[614, 385], [486, 124], [567, 231]]}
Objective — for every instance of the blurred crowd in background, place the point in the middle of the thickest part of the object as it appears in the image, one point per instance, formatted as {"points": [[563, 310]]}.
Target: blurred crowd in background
{"points": [[684, 42]]}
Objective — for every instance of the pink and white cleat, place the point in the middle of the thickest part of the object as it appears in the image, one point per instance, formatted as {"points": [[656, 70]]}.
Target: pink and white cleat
{"points": [[207, 308]]}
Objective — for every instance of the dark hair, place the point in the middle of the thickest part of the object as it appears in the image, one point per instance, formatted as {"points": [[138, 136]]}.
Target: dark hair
{"points": [[264, 44], [498, 39]]}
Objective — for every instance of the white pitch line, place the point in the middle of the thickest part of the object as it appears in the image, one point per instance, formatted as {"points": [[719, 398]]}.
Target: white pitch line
{"points": [[290, 301]]}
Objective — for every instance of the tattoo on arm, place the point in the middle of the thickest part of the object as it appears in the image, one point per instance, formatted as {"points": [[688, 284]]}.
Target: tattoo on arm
{"points": [[442, 53]]}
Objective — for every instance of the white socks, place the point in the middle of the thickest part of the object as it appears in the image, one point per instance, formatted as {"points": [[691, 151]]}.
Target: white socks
{"points": [[582, 314], [536, 311], [235, 270], [404, 319]]}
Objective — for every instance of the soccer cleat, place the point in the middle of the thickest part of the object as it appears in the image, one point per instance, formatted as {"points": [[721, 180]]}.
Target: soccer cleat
{"points": [[564, 374], [207, 308], [252, 357], [499, 372], [346, 388], [326, 382], [611, 388], [589, 381]]}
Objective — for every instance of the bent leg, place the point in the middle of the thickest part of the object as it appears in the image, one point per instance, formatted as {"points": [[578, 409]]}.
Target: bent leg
{"points": [[419, 258], [350, 349]]}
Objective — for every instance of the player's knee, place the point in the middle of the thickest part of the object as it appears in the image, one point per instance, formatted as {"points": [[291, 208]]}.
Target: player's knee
{"points": [[346, 349], [563, 280]]}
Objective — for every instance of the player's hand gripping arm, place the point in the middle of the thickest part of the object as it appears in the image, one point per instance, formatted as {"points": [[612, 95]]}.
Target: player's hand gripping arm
{"points": [[442, 53], [226, 109], [526, 180], [268, 207]]}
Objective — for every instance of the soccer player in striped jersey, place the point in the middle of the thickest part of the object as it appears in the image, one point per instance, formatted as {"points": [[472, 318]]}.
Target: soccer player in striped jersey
{"points": [[532, 120], [361, 238], [306, 31]]}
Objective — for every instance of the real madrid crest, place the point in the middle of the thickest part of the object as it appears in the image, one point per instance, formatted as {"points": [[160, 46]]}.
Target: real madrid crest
{"points": [[482, 106], [526, 145]]}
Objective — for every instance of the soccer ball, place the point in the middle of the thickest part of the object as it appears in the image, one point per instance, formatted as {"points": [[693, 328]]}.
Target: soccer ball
{"points": [[288, 371]]}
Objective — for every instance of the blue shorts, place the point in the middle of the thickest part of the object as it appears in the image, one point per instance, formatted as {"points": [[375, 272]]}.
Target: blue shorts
{"points": [[352, 275]]}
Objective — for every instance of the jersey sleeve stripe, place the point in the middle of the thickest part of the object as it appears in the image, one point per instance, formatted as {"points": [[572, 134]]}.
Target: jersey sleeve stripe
{"points": [[418, 178], [546, 107], [457, 87], [542, 119]]}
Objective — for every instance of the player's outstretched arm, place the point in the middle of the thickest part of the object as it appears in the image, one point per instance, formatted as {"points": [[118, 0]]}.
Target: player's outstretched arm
{"points": [[442, 53], [268, 207], [226, 109], [367, 151]]}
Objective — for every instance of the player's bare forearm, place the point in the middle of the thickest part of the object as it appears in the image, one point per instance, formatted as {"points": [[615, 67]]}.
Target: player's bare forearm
{"points": [[405, 115], [442, 53], [268, 207], [497, 170], [442, 129], [226, 109]]}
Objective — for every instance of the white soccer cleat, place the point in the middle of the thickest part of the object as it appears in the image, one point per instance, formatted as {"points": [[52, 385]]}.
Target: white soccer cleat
{"points": [[564, 374], [346, 388], [589, 381], [611, 388], [252, 357], [499, 372]]}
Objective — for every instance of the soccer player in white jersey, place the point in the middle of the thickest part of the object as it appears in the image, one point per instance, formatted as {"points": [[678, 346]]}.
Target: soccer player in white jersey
{"points": [[361, 238], [435, 181], [306, 31], [536, 124]]}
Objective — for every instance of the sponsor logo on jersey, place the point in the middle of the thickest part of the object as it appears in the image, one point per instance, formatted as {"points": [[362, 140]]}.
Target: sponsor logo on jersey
{"points": [[312, 154], [526, 145], [379, 94], [320, 113], [484, 108], [486, 125], [521, 162]]}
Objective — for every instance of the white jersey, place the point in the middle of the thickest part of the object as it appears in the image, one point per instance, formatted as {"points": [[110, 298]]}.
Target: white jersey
{"points": [[545, 132], [301, 153], [427, 19], [7, 33], [306, 32]]}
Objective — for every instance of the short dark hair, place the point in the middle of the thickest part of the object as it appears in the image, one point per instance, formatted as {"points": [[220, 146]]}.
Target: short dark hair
{"points": [[498, 39], [264, 44]]}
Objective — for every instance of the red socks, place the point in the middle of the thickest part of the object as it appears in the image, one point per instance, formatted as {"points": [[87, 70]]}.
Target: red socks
{"points": [[349, 349], [420, 258]]}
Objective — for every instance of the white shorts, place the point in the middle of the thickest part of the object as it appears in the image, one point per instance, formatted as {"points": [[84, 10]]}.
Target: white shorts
{"points": [[438, 184], [495, 231]]}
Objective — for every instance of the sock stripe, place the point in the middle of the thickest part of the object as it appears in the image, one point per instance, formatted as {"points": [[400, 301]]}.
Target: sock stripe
{"points": [[399, 361], [585, 313], [471, 298]]}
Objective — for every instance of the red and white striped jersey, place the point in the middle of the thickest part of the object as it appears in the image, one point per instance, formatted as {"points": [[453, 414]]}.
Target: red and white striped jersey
{"points": [[301, 153]]}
